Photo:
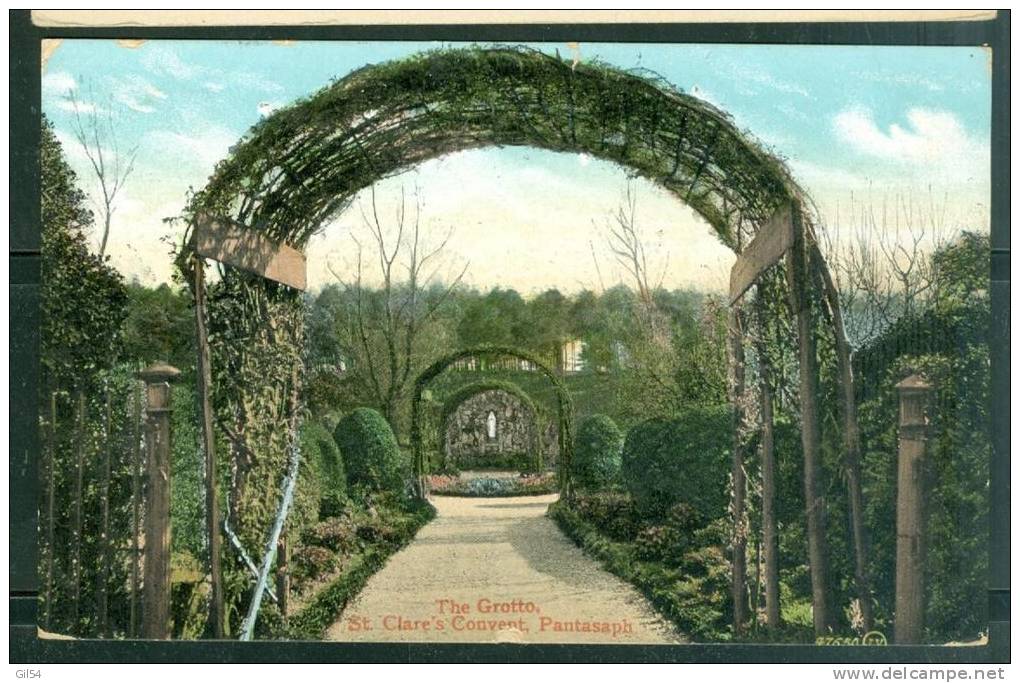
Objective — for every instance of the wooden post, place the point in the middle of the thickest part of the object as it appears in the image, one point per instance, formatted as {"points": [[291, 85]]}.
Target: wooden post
{"points": [[50, 523], [911, 492], [739, 563], [136, 500], [102, 600], [797, 278], [212, 506], [79, 446], [282, 574], [851, 439], [156, 586], [770, 536]]}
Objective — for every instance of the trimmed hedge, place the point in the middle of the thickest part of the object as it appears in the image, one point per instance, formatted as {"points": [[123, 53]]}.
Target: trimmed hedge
{"points": [[318, 444], [597, 452], [369, 450], [685, 460]]}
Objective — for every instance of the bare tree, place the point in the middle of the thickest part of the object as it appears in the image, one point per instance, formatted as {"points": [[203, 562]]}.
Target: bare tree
{"points": [[95, 130], [880, 260], [627, 245], [384, 326]]}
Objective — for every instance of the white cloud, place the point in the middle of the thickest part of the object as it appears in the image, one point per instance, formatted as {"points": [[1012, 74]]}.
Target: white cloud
{"points": [[203, 147], [137, 94], [931, 143], [213, 86], [163, 60], [58, 83]]}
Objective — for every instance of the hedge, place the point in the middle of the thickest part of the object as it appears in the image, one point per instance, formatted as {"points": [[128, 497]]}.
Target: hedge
{"points": [[597, 452], [318, 444], [681, 460], [327, 606], [369, 450]]}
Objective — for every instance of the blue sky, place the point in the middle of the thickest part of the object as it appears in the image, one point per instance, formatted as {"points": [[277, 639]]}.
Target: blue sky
{"points": [[878, 122]]}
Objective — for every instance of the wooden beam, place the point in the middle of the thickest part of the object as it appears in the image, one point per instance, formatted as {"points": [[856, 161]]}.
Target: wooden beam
{"points": [[242, 247], [773, 240]]}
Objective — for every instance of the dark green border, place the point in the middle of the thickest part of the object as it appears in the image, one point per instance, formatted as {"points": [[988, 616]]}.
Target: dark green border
{"points": [[24, 350]]}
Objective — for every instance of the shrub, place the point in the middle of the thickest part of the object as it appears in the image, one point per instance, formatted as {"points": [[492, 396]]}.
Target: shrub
{"points": [[666, 462], [597, 450], [311, 562], [336, 533], [685, 518], [369, 450], [611, 512], [661, 543], [318, 444]]}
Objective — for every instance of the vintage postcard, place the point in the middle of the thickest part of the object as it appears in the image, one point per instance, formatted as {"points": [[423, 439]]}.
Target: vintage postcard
{"points": [[521, 342]]}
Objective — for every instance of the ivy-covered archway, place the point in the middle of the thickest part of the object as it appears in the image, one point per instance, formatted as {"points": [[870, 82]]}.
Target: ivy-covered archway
{"points": [[564, 407], [457, 398], [302, 166]]}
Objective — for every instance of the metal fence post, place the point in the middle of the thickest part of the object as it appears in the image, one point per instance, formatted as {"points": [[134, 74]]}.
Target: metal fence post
{"points": [[156, 582], [911, 491]]}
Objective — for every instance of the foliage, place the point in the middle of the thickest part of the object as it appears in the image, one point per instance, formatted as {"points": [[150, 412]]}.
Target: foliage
{"points": [[694, 594], [326, 606], [82, 307], [338, 534], [490, 487], [159, 326], [681, 460], [311, 562], [83, 298], [187, 493], [597, 452], [318, 446], [612, 512], [948, 344], [369, 450], [564, 405]]}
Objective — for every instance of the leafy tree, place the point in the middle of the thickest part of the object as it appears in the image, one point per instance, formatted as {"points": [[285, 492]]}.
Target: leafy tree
{"points": [[83, 298], [548, 316], [499, 317], [159, 325]]}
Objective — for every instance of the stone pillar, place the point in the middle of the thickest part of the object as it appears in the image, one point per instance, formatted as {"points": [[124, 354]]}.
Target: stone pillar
{"points": [[156, 580], [911, 491]]}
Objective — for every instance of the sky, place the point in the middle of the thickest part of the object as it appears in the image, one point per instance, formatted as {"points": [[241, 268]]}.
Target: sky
{"points": [[856, 124]]}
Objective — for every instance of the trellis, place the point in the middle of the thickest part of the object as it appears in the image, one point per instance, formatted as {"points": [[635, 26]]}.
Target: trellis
{"points": [[299, 168]]}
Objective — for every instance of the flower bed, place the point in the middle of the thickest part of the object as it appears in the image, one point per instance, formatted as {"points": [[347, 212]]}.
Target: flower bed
{"points": [[493, 487]]}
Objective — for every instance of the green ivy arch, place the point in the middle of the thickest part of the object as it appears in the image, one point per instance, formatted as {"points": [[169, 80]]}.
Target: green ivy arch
{"points": [[564, 408], [302, 166], [468, 391]]}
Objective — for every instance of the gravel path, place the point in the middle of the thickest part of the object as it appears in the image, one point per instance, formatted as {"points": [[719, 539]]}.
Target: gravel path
{"points": [[497, 570]]}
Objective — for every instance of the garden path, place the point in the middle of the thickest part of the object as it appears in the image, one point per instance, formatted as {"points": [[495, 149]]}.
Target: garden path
{"points": [[498, 570]]}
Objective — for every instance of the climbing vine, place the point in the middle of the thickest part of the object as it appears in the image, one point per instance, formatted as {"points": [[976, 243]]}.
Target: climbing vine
{"points": [[564, 406], [298, 169]]}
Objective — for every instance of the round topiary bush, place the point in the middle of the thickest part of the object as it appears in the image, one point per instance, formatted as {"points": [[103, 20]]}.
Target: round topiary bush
{"points": [[597, 451], [369, 450], [685, 460], [318, 444]]}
